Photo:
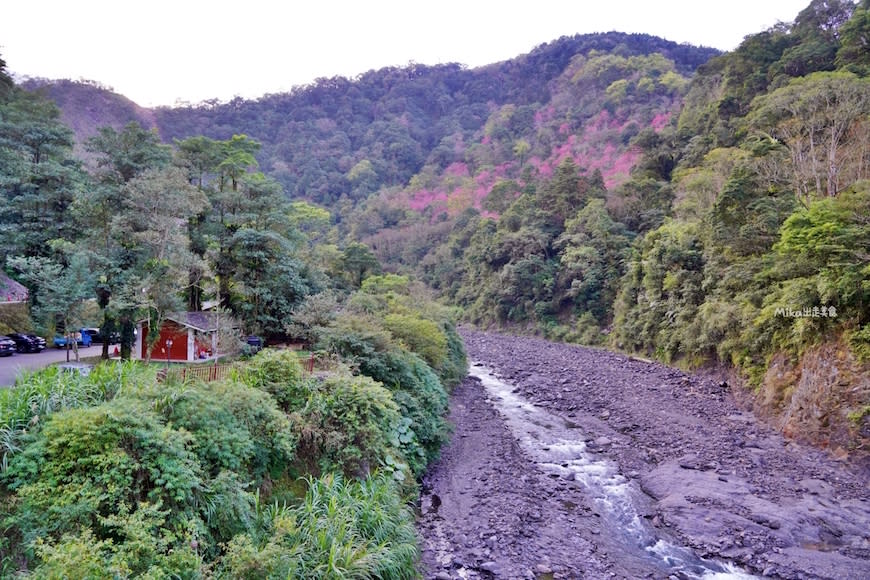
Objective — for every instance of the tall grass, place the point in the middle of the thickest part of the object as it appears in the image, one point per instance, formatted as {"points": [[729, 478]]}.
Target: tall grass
{"points": [[38, 394], [344, 528]]}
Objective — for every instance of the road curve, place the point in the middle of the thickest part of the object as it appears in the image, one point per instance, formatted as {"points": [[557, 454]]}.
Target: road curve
{"points": [[12, 366]]}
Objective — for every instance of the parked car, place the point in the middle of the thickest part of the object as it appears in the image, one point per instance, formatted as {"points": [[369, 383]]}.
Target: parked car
{"points": [[27, 342], [7, 346], [97, 336], [81, 337], [255, 344]]}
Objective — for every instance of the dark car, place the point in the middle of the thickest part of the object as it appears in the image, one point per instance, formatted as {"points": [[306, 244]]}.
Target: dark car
{"points": [[7, 346], [26, 342], [97, 336]]}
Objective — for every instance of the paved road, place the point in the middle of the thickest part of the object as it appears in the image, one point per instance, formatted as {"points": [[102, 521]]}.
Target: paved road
{"points": [[11, 366]]}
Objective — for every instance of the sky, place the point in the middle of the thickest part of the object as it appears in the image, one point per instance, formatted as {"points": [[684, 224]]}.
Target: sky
{"points": [[167, 52]]}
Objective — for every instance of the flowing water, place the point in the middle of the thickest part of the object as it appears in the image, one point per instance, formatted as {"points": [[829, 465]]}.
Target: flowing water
{"points": [[559, 448]]}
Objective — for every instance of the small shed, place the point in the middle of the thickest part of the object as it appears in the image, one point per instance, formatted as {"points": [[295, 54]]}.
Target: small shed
{"points": [[184, 336]]}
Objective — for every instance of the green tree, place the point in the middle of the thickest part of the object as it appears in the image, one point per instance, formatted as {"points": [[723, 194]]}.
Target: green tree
{"points": [[358, 261], [661, 292], [822, 120], [6, 82], [62, 291], [122, 155], [593, 249], [854, 52], [117, 262], [38, 176], [154, 203]]}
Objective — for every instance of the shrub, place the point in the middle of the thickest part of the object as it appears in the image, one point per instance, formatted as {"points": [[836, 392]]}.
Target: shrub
{"points": [[235, 427], [455, 365], [36, 395], [279, 373], [419, 335], [421, 398], [135, 550], [342, 529], [350, 424], [86, 463]]}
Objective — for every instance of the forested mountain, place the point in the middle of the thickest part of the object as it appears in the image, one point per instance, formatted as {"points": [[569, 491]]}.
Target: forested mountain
{"points": [[612, 189], [342, 137]]}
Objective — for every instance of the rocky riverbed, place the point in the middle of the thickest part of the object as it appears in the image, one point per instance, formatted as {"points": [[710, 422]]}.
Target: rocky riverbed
{"points": [[568, 462]]}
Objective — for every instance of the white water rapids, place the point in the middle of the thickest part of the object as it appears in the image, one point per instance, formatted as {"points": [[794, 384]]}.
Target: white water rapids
{"points": [[558, 447]]}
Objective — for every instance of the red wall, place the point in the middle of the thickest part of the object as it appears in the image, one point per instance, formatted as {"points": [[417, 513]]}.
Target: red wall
{"points": [[177, 333]]}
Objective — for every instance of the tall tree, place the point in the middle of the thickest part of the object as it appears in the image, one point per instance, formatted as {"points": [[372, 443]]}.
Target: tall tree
{"points": [[62, 291], [38, 176], [6, 82], [155, 209], [121, 156], [822, 120], [854, 52]]}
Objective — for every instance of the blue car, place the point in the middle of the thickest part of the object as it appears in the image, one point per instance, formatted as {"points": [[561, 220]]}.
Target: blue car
{"points": [[82, 338]]}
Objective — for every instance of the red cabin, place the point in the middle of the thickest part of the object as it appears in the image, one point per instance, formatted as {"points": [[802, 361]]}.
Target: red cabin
{"points": [[184, 336]]}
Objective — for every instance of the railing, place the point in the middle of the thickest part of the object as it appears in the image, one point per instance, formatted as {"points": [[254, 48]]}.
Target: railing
{"points": [[209, 373], [206, 373], [307, 363]]}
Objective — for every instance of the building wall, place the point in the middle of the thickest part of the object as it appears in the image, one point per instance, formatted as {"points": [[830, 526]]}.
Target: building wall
{"points": [[182, 343]]}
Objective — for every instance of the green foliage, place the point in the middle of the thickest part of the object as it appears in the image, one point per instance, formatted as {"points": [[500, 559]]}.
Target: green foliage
{"points": [[86, 463], [419, 335], [350, 425], [39, 178], [661, 292], [359, 262], [416, 389], [62, 291], [859, 341], [132, 550], [279, 373], [125, 154], [820, 262], [36, 395], [593, 249], [236, 428], [820, 118], [455, 366], [852, 54], [342, 529]]}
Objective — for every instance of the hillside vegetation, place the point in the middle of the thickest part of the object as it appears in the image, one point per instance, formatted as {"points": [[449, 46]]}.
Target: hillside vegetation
{"points": [[609, 189], [706, 209]]}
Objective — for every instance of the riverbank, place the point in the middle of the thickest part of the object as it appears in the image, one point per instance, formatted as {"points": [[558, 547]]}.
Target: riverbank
{"points": [[716, 480]]}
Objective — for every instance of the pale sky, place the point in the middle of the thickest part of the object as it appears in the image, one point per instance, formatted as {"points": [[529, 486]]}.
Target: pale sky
{"points": [[161, 52]]}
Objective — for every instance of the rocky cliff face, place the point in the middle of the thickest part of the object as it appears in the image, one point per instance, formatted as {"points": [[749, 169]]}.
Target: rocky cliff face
{"points": [[823, 398]]}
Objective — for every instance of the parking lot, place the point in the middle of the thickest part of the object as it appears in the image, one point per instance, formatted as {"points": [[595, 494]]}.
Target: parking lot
{"points": [[12, 366]]}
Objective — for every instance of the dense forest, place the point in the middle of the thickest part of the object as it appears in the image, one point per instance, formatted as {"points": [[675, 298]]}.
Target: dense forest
{"points": [[706, 209], [272, 471]]}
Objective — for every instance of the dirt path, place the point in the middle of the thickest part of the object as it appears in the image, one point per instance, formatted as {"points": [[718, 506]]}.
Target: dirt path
{"points": [[537, 490]]}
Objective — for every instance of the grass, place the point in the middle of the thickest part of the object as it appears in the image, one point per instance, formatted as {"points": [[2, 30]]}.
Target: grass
{"points": [[37, 394]]}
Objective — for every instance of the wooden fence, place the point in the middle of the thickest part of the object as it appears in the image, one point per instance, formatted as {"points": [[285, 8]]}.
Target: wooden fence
{"points": [[208, 373]]}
